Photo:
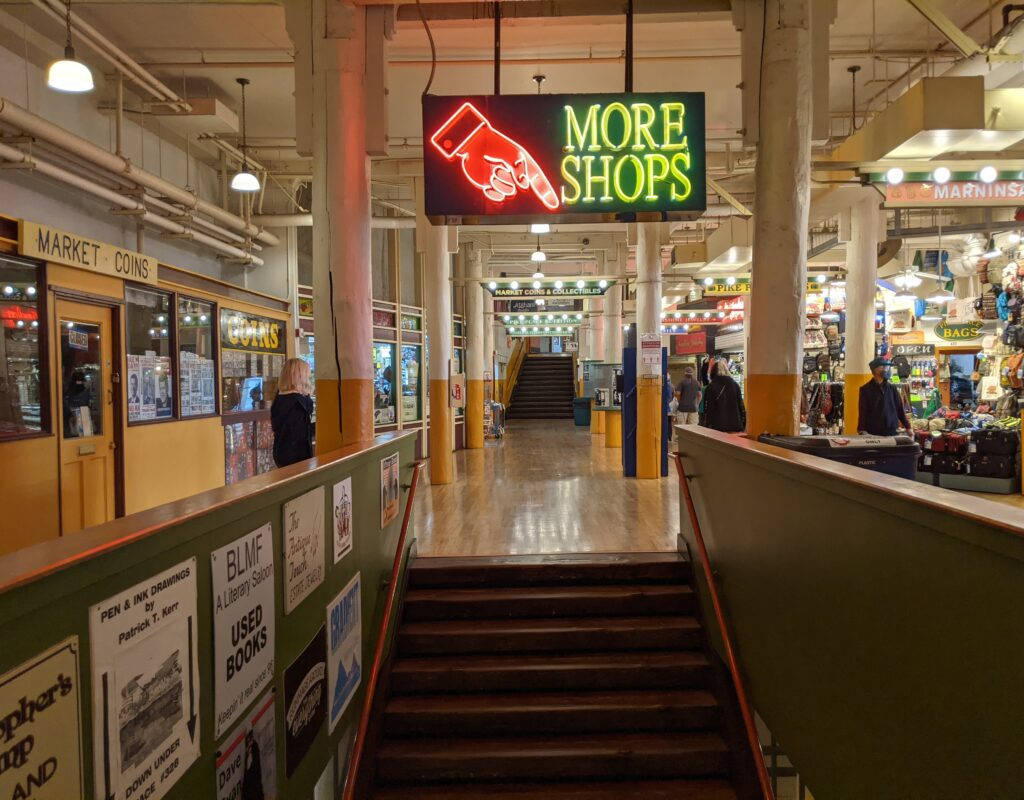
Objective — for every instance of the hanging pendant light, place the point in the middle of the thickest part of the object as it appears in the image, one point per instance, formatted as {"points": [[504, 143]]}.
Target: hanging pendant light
{"points": [[538, 255], [244, 181], [69, 74]]}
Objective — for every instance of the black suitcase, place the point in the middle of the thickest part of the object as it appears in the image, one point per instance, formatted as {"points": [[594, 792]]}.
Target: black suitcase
{"points": [[996, 442], [947, 463], [893, 455], [992, 466]]}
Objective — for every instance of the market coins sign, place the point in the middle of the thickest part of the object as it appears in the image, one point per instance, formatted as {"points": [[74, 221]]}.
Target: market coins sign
{"points": [[60, 247], [40, 723], [605, 156], [252, 333], [972, 193], [958, 331], [549, 291]]}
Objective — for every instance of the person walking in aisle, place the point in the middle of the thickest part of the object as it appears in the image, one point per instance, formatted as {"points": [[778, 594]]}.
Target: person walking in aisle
{"points": [[688, 394], [291, 414], [723, 403]]}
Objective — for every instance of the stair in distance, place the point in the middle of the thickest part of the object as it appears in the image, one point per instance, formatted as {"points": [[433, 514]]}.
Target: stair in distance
{"points": [[573, 677], [544, 388]]}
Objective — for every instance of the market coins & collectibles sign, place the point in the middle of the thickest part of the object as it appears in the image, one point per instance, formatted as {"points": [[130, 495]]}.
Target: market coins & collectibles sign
{"points": [[61, 247], [606, 156]]}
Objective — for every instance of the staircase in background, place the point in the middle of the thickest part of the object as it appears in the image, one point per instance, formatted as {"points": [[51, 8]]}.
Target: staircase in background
{"points": [[583, 677], [544, 389]]}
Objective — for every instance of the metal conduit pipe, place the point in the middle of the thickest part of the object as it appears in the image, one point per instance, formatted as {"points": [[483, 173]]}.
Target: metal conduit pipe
{"points": [[69, 178], [306, 221], [173, 211], [34, 125], [110, 52]]}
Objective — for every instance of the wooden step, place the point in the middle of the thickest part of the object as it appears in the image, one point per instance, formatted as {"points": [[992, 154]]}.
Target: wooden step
{"points": [[549, 570], [613, 790], [548, 601], [586, 671], [563, 635], [584, 757], [520, 714]]}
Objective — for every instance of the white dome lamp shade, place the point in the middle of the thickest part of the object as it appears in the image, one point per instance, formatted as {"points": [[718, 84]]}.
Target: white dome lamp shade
{"points": [[244, 180], [69, 74]]}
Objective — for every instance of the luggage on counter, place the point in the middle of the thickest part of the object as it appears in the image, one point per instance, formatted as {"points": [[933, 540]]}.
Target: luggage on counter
{"points": [[947, 463], [996, 441], [992, 466], [892, 455], [950, 443]]}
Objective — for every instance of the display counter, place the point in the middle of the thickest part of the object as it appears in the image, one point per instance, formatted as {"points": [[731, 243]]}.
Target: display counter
{"points": [[612, 424]]}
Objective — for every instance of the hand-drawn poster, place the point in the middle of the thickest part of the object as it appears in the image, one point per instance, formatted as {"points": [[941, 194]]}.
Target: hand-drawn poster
{"points": [[145, 685], [303, 547], [40, 726], [305, 700], [389, 492], [345, 649], [342, 519], [247, 764], [243, 623]]}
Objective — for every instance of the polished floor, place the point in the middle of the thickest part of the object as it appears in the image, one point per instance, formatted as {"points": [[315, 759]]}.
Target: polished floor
{"points": [[547, 487]]}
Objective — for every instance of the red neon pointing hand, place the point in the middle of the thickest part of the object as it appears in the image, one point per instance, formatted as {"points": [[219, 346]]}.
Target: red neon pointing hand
{"points": [[494, 163]]}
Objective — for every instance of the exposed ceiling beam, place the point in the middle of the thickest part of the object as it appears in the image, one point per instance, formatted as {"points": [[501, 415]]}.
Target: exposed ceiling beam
{"points": [[960, 40], [560, 8]]}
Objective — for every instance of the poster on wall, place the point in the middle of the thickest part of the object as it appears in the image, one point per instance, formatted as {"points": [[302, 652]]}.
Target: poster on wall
{"points": [[389, 490], [247, 764], [40, 726], [342, 518], [345, 651], [196, 382], [134, 388], [305, 700], [303, 547], [145, 685], [650, 354], [243, 623]]}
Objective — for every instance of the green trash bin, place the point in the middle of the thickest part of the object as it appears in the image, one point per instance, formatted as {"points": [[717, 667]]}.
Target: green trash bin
{"points": [[581, 411]]}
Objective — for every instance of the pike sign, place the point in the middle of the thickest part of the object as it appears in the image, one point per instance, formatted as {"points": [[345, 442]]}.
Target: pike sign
{"points": [[551, 156]]}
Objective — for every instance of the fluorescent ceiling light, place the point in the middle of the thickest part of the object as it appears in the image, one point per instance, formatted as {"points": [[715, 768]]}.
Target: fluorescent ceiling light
{"points": [[69, 74], [540, 227], [245, 182], [538, 255]]}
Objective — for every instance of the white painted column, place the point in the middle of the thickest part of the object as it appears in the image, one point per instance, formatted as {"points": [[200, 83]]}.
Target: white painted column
{"points": [[341, 230], [781, 197], [474, 323], [596, 317], [648, 322], [485, 257], [861, 274]]}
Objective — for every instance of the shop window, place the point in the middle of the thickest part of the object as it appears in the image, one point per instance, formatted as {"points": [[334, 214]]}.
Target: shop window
{"points": [[196, 365], [150, 374], [23, 386], [411, 382], [383, 383], [252, 354]]}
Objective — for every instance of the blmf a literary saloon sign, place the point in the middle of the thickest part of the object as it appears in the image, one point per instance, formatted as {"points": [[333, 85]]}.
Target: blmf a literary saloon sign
{"points": [[607, 155]]}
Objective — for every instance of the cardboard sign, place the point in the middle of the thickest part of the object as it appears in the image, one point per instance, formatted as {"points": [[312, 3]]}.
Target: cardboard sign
{"points": [[145, 685], [344, 649], [247, 765], [303, 527], [243, 623], [40, 726], [305, 700]]}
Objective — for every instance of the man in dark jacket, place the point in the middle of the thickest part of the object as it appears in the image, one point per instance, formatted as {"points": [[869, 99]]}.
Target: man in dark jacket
{"points": [[880, 410], [723, 404]]}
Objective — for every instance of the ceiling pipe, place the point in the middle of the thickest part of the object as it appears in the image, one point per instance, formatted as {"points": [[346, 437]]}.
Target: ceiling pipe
{"points": [[34, 125], [306, 221], [130, 204]]}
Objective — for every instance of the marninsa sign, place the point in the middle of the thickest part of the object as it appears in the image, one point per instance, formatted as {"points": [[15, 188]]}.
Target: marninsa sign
{"points": [[970, 193], [575, 155]]}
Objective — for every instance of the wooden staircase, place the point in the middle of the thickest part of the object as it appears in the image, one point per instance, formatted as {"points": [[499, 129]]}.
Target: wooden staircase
{"points": [[583, 677], [544, 388]]}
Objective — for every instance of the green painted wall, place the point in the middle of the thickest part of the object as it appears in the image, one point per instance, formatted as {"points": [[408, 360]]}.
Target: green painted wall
{"points": [[880, 634], [42, 613]]}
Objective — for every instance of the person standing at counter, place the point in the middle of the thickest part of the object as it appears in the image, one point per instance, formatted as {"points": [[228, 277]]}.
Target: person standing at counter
{"points": [[880, 408], [291, 414], [723, 402]]}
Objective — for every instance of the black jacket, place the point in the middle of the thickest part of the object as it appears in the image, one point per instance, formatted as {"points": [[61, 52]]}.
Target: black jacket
{"points": [[880, 409], [723, 405], [291, 417]]}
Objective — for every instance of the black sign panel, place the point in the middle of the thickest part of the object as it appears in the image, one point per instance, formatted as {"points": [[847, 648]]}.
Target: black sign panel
{"points": [[305, 700], [913, 350], [251, 332]]}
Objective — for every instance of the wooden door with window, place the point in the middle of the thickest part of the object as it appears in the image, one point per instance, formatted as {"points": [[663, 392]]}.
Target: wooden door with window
{"points": [[86, 402]]}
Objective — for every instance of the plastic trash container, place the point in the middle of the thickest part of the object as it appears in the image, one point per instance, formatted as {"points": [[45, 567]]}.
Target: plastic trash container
{"points": [[893, 455], [581, 411]]}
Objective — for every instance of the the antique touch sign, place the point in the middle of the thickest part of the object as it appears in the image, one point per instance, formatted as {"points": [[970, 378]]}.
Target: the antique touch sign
{"points": [[598, 155], [971, 193], [50, 244], [251, 332]]}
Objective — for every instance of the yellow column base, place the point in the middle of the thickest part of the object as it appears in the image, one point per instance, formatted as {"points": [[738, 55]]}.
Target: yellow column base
{"points": [[474, 413], [442, 460], [356, 422], [773, 405], [600, 421], [851, 401], [593, 418], [328, 422], [648, 427], [613, 429]]}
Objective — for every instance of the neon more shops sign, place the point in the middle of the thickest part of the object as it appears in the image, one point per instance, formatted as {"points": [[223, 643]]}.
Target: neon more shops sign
{"points": [[571, 156]]}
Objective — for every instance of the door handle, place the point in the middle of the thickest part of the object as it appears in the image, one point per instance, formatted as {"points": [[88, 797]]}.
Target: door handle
{"points": [[110, 397]]}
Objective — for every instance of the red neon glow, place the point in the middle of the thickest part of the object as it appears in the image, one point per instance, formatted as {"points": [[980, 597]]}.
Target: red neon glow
{"points": [[497, 165], [11, 315]]}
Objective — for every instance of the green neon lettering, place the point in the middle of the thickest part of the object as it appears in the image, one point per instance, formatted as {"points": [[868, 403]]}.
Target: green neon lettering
{"points": [[672, 116], [679, 164], [639, 178], [657, 171], [627, 125], [570, 178], [590, 178], [643, 118], [576, 139]]}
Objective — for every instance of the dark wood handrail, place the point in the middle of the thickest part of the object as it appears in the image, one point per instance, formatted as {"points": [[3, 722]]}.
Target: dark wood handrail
{"points": [[378, 654], [730, 654]]}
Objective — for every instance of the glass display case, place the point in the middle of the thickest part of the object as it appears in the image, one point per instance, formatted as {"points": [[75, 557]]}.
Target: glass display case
{"points": [[383, 383], [411, 362], [22, 383]]}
